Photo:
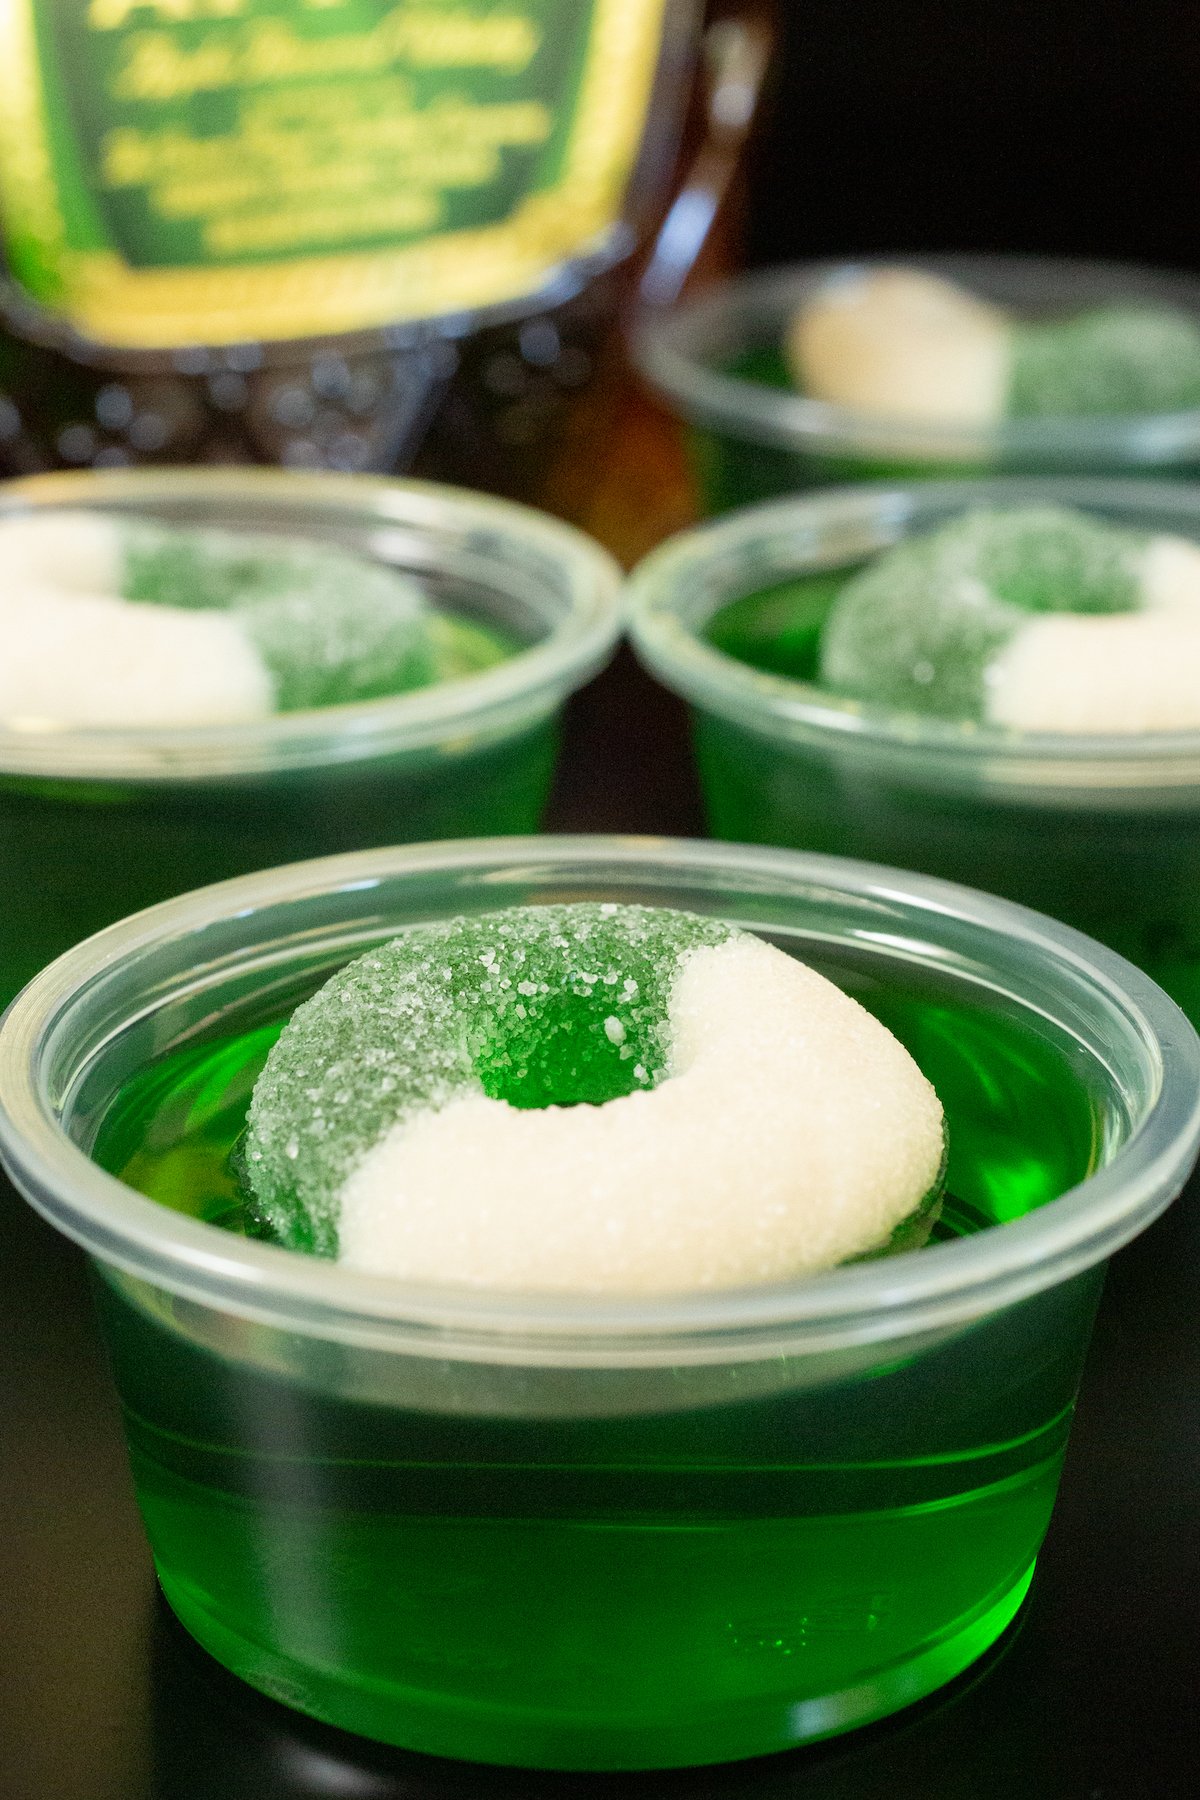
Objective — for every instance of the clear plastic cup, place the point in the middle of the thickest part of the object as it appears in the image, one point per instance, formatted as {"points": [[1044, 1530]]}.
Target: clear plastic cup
{"points": [[717, 362], [589, 1532], [97, 823], [1102, 832]]}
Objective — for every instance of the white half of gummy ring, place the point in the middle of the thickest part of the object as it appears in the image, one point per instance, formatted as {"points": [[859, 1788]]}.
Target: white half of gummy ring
{"points": [[1102, 672], [74, 652], [791, 1132]]}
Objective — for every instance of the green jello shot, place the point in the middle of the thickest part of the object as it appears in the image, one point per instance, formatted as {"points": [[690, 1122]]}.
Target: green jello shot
{"points": [[1050, 367], [903, 343], [995, 682], [207, 672], [581, 1527]]}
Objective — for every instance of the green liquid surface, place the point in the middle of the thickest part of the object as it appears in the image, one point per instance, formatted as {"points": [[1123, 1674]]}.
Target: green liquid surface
{"points": [[468, 646], [778, 629], [1121, 871], [723, 1563]]}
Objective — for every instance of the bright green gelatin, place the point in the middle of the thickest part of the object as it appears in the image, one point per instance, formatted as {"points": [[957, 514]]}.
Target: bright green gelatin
{"points": [[1120, 870], [778, 629], [723, 1571]]}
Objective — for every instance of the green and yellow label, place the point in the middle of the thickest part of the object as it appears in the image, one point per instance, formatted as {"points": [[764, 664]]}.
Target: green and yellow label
{"points": [[204, 171]]}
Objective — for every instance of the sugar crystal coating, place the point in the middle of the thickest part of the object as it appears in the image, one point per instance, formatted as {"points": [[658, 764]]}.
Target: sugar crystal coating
{"points": [[1111, 360], [589, 1098], [203, 566], [331, 627], [905, 344], [921, 626], [94, 661], [789, 1133], [532, 1005], [300, 623]]}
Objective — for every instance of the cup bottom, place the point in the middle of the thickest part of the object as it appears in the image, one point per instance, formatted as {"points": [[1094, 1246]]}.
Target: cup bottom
{"points": [[435, 1723]]}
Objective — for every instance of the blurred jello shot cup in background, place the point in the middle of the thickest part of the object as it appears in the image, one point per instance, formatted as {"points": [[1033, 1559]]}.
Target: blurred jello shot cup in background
{"points": [[618, 1493], [208, 672], [926, 367], [995, 682]]}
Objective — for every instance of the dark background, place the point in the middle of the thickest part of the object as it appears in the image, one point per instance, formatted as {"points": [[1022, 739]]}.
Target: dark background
{"points": [[1067, 126]]}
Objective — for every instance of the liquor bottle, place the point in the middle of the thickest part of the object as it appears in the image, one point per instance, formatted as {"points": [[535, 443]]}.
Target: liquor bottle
{"points": [[360, 234]]}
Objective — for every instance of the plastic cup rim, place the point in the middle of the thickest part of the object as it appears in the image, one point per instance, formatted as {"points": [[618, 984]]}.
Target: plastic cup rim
{"points": [[777, 705], [662, 344], [497, 702], [927, 1290]]}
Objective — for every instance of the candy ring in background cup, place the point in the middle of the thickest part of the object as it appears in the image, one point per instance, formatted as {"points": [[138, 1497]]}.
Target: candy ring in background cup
{"points": [[97, 823], [588, 1531], [717, 361], [1100, 831]]}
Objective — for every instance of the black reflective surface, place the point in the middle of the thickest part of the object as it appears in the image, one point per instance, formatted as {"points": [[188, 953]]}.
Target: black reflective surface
{"points": [[1091, 1696], [1036, 125]]}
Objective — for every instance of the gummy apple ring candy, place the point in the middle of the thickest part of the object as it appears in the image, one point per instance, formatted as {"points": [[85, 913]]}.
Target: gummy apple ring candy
{"points": [[589, 1097], [1038, 619], [115, 620], [900, 343]]}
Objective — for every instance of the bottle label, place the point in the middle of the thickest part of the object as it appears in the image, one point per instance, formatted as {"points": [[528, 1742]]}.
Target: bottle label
{"points": [[208, 171]]}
